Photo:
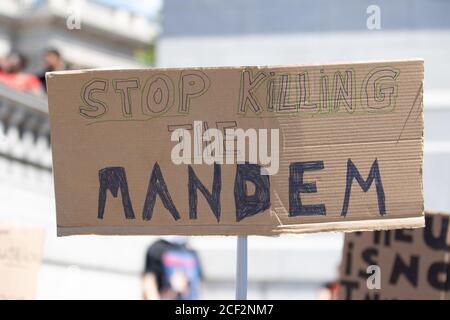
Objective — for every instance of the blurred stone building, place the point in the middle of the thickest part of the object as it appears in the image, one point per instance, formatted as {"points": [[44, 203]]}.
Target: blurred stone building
{"points": [[88, 33]]}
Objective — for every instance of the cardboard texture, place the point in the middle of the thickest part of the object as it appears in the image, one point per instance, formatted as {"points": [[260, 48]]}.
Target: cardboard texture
{"points": [[21, 250], [350, 149], [414, 264]]}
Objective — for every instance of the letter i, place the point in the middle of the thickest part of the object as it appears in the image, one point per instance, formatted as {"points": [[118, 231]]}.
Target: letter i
{"points": [[324, 108], [348, 260]]}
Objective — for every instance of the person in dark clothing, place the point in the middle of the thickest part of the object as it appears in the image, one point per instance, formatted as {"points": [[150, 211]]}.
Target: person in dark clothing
{"points": [[172, 271], [53, 61]]}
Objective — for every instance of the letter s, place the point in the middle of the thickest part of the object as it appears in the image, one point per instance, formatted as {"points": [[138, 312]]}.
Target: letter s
{"points": [[93, 108]]}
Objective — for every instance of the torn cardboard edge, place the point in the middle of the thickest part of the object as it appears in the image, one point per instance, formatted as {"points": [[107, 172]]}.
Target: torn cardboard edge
{"points": [[236, 230], [212, 68]]}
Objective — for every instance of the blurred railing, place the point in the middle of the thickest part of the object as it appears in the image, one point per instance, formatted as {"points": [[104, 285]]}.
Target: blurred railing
{"points": [[24, 128]]}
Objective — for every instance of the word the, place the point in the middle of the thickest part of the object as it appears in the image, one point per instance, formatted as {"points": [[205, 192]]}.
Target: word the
{"points": [[215, 151]]}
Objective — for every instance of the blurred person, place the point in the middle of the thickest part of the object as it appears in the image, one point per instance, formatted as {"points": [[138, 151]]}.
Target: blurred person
{"points": [[12, 74], [53, 61], [329, 291], [172, 270]]}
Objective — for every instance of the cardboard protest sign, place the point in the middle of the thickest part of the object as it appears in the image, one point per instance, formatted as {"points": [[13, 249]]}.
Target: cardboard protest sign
{"points": [[238, 150], [413, 264], [21, 250]]}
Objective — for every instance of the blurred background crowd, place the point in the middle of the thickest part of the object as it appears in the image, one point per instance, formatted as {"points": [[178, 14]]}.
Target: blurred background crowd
{"points": [[14, 75], [47, 35]]}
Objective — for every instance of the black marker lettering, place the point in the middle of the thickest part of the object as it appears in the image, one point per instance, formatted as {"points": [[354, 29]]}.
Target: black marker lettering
{"points": [[113, 178], [157, 186], [249, 205], [411, 271], [297, 186], [439, 276], [349, 259], [213, 198], [440, 242], [368, 256], [348, 286], [374, 174]]}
